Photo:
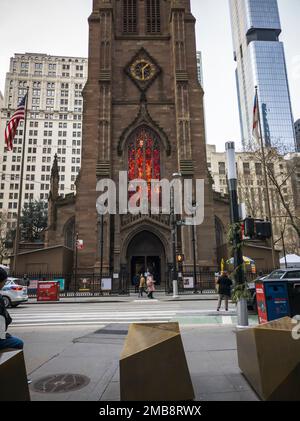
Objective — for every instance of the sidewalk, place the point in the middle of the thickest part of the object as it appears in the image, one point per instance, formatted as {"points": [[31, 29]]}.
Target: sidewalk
{"points": [[160, 296], [210, 352]]}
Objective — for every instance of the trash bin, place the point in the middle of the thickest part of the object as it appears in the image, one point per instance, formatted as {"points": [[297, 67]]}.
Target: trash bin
{"points": [[272, 300], [277, 299]]}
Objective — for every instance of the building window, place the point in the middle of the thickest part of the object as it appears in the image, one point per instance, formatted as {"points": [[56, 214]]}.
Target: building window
{"points": [[144, 156], [222, 168], [130, 16], [153, 16], [246, 167], [258, 168]]}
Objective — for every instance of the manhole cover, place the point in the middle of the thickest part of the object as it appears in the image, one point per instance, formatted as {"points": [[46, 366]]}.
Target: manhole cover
{"points": [[60, 383]]}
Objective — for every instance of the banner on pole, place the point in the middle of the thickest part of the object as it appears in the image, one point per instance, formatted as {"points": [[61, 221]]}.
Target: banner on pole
{"points": [[79, 244]]}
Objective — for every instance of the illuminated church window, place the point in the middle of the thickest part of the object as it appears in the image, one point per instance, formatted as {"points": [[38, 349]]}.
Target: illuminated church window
{"points": [[144, 156]]}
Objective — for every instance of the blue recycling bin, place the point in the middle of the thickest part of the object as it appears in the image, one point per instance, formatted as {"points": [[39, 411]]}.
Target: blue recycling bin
{"points": [[277, 300], [273, 300]]}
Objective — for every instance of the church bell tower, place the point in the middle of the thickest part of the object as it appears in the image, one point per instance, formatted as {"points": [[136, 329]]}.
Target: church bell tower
{"points": [[143, 114]]}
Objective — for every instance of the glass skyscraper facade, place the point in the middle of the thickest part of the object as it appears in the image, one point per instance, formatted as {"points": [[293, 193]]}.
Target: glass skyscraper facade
{"points": [[260, 59], [297, 130]]}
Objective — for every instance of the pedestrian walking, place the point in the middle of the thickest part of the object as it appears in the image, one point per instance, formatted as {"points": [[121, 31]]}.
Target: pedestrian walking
{"points": [[142, 286], [136, 283], [26, 280], [6, 340], [224, 289], [150, 286]]}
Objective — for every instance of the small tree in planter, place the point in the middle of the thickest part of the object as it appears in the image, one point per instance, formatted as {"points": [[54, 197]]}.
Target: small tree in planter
{"points": [[240, 293]]}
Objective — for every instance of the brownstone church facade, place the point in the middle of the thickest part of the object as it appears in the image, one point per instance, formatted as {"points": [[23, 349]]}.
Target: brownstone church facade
{"points": [[143, 113]]}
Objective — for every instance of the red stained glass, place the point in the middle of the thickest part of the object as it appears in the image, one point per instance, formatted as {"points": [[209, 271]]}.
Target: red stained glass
{"points": [[144, 156]]}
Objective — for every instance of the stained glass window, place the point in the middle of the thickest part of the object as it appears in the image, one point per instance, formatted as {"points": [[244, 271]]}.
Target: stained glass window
{"points": [[144, 156]]}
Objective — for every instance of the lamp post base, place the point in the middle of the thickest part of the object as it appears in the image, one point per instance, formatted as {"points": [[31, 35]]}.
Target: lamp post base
{"points": [[242, 313], [175, 289]]}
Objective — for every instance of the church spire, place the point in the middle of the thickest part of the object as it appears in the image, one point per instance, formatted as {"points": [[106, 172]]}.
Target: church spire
{"points": [[54, 181]]}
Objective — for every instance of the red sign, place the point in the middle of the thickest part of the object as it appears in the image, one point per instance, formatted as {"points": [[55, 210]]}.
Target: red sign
{"points": [[79, 244], [261, 303], [48, 291]]}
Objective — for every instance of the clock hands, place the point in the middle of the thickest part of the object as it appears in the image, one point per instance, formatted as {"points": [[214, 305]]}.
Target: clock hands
{"points": [[143, 70]]}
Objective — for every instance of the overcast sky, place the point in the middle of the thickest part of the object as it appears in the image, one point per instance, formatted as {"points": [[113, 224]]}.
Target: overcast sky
{"points": [[59, 27]]}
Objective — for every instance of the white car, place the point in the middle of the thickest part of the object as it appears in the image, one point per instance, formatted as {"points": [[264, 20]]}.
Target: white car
{"points": [[13, 294]]}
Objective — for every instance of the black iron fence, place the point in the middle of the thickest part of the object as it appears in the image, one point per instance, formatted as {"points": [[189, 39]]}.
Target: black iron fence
{"points": [[201, 281], [119, 284], [80, 285]]}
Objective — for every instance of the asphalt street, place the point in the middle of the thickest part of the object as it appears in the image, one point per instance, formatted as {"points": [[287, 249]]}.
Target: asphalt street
{"points": [[137, 310]]}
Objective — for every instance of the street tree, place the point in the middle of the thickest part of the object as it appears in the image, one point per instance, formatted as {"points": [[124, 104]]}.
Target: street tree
{"points": [[33, 221]]}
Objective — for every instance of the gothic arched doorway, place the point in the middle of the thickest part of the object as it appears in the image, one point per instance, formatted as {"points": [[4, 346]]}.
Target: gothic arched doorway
{"points": [[146, 252]]}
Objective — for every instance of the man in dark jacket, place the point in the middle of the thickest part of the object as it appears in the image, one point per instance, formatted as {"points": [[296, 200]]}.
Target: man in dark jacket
{"points": [[6, 340], [224, 288]]}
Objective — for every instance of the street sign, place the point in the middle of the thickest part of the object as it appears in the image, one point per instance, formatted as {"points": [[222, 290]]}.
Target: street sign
{"points": [[79, 244]]}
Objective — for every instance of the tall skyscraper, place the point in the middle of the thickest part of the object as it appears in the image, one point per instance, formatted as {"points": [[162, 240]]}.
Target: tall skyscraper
{"points": [[54, 126], [261, 62], [297, 130]]}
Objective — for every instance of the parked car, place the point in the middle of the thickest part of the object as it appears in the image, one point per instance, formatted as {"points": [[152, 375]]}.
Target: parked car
{"points": [[288, 274], [14, 293]]}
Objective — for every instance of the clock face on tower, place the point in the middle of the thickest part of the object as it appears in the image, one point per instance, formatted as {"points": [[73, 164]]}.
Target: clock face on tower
{"points": [[142, 70]]}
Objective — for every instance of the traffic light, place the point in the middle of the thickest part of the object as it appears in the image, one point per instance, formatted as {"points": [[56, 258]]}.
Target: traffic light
{"points": [[263, 229], [180, 258], [257, 229], [249, 227]]}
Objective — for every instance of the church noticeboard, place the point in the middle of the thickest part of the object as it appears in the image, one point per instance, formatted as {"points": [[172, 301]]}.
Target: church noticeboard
{"points": [[188, 282], [106, 284]]}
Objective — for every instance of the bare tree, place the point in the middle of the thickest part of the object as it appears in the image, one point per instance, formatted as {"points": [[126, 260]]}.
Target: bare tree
{"points": [[280, 180]]}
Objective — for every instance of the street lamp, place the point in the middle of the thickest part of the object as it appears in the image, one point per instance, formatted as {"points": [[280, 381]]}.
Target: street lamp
{"points": [[194, 251], [101, 209], [235, 221], [174, 231], [76, 262]]}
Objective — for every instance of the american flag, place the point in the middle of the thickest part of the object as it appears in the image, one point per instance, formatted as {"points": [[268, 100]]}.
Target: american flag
{"points": [[12, 125], [256, 131]]}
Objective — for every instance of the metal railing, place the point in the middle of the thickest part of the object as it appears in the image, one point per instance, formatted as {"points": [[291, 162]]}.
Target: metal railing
{"points": [[88, 284]]}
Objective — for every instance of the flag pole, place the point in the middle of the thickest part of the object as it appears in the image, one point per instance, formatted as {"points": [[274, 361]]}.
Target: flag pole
{"points": [[266, 179], [17, 236]]}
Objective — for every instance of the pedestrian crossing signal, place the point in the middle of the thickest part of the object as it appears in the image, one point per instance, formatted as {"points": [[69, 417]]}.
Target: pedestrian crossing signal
{"points": [[180, 258]]}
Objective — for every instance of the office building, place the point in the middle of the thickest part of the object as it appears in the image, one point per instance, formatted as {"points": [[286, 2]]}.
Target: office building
{"points": [[54, 126], [260, 60]]}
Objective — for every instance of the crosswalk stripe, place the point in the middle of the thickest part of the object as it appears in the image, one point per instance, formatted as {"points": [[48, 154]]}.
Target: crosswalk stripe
{"points": [[83, 323]]}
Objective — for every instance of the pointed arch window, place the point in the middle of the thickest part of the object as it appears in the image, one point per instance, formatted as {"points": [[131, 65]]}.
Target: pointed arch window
{"points": [[144, 157], [130, 16]]}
